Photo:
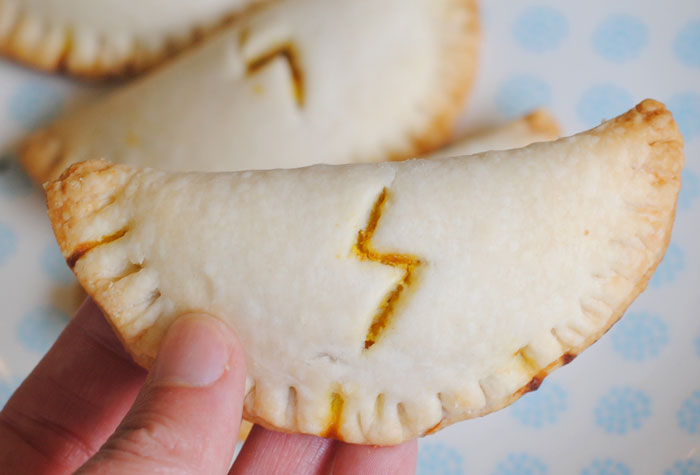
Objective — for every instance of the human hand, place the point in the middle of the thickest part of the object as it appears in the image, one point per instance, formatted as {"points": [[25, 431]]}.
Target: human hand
{"points": [[88, 407]]}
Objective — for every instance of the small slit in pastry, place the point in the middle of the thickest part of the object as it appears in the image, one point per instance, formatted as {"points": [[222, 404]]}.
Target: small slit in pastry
{"points": [[335, 417], [86, 247], [130, 269], [286, 51], [364, 250], [528, 361], [379, 406], [403, 416], [291, 406]]}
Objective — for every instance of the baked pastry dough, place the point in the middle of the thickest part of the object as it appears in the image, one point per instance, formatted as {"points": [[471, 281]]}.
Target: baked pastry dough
{"points": [[98, 38], [297, 83], [380, 302], [537, 126]]}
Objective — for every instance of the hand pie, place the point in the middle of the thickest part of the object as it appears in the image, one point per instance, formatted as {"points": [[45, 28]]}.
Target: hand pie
{"points": [[537, 126], [296, 83], [380, 302], [98, 38]]}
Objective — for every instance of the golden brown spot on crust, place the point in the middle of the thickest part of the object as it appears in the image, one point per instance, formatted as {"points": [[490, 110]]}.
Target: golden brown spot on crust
{"points": [[434, 428], [289, 54], [363, 248], [586, 232], [334, 420], [534, 384], [86, 247], [567, 358]]}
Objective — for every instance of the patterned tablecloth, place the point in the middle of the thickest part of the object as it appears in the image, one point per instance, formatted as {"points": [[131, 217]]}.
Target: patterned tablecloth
{"points": [[630, 404]]}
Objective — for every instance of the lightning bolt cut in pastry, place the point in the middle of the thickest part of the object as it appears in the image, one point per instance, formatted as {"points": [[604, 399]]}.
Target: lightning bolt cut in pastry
{"points": [[296, 83], [380, 302], [100, 38]]}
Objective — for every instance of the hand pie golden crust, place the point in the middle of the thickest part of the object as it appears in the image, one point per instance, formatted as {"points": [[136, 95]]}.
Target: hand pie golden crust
{"points": [[516, 262], [289, 85], [98, 39]]}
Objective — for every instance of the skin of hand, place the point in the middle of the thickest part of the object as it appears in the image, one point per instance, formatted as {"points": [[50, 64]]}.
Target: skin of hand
{"points": [[87, 407]]}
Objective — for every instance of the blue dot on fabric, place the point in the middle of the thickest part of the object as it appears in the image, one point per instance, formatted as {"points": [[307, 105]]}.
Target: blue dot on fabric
{"points": [[670, 267], [8, 242], [603, 101], [13, 181], [684, 467], [687, 44], [522, 93], [54, 265], [685, 107], [540, 28], [690, 189], [606, 467], [521, 464], [639, 336], [542, 407], [620, 38], [689, 414], [34, 103], [40, 327], [439, 459], [622, 410]]}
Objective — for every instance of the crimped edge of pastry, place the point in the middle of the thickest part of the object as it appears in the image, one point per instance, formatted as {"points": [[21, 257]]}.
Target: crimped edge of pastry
{"points": [[46, 46], [87, 187], [42, 153]]}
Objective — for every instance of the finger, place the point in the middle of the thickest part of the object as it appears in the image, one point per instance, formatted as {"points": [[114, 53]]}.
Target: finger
{"points": [[187, 415], [399, 459], [266, 451], [72, 401]]}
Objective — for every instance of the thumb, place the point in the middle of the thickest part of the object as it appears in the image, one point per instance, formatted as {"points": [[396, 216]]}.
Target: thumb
{"points": [[186, 416]]}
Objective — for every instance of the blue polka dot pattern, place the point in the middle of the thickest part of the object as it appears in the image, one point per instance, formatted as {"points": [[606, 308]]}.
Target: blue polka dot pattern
{"points": [[687, 44], [684, 467], [439, 459], [54, 265], [620, 38], [672, 264], [8, 242], [639, 336], [13, 181], [540, 28], [606, 467], [690, 189], [34, 104], [622, 410], [40, 327], [686, 110], [689, 414], [522, 93], [603, 101], [521, 464], [542, 407]]}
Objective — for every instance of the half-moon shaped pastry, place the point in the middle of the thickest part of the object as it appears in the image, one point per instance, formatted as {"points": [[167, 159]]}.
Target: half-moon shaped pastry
{"points": [[296, 83], [101, 38], [380, 302]]}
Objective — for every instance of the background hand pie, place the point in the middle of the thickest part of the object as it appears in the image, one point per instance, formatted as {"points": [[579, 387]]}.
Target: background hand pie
{"points": [[471, 278], [289, 85], [102, 38]]}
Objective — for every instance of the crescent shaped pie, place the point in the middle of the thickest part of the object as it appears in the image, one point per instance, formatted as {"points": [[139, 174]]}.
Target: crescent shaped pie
{"points": [[380, 302], [102, 38], [293, 84]]}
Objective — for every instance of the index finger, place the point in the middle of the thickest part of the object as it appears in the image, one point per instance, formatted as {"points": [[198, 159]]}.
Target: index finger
{"points": [[72, 401]]}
